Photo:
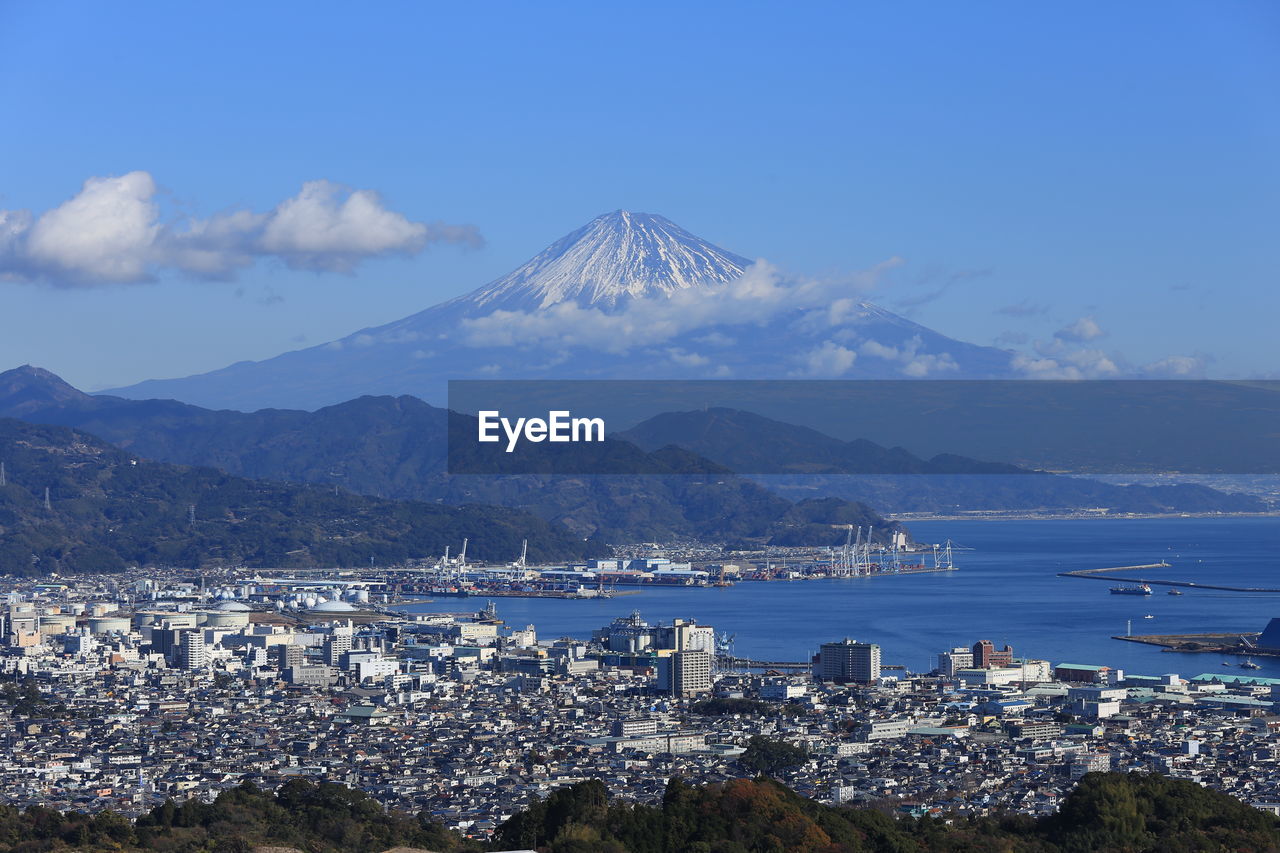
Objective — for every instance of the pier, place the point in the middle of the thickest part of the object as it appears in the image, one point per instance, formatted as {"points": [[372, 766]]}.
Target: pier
{"points": [[1109, 575], [748, 663]]}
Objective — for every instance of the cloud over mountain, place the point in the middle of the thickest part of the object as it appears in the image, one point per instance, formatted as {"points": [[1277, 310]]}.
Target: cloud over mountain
{"points": [[757, 297], [112, 232]]}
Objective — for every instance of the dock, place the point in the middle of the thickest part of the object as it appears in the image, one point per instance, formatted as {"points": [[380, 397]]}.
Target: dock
{"points": [[1237, 643], [1109, 575]]}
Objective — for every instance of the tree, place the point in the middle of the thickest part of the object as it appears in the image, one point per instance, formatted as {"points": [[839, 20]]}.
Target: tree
{"points": [[769, 757]]}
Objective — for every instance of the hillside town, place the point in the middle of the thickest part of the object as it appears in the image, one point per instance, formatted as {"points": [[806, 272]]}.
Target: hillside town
{"points": [[119, 692]]}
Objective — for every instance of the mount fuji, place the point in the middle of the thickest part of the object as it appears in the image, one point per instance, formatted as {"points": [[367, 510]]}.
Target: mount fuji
{"points": [[608, 262], [627, 295]]}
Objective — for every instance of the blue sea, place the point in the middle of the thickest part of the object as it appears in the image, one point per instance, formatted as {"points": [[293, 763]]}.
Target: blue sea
{"points": [[1006, 589]]}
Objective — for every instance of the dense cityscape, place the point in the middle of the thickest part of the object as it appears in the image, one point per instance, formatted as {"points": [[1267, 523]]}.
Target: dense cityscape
{"points": [[123, 691], [514, 427]]}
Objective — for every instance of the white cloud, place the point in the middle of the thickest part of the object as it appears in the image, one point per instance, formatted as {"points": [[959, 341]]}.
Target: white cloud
{"points": [[823, 310], [107, 232], [716, 339], [1083, 329], [687, 359], [926, 364], [111, 232], [756, 298], [1068, 364], [1043, 368], [914, 363], [879, 350], [1179, 366], [320, 229], [830, 359], [1092, 362]]}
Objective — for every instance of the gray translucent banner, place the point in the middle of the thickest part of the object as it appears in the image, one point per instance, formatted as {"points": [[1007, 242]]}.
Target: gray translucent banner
{"points": [[805, 427]]}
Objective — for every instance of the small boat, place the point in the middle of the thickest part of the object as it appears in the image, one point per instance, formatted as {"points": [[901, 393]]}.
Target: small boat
{"points": [[1227, 663], [1148, 616], [1175, 592], [1138, 589], [1249, 664]]}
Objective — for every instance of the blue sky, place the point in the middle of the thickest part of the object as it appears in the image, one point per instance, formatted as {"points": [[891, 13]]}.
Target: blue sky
{"points": [[1032, 164]]}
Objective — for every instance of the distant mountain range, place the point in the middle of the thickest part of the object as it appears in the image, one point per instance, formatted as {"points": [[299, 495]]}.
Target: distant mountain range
{"points": [[801, 463], [395, 448], [107, 509], [626, 295], [749, 443]]}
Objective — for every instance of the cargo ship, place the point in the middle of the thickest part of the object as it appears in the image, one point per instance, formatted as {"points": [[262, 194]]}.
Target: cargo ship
{"points": [[1140, 589]]}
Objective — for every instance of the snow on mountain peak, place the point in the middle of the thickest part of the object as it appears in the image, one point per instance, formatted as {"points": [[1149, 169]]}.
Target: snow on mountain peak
{"points": [[612, 259]]}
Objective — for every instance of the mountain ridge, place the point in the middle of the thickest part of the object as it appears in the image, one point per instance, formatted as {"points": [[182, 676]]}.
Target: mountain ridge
{"points": [[626, 294], [107, 509], [613, 258], [748, 443], [395, 447]]}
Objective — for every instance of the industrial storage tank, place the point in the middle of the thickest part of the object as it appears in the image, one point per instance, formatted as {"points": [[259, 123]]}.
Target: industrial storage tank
{"points": [[225, 619], [233, 607], [110, 624], [58, 623], [332, 607], [147, 618]]}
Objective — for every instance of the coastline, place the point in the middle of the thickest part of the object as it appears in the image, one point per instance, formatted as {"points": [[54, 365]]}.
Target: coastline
{"points": [[1022, 515]]}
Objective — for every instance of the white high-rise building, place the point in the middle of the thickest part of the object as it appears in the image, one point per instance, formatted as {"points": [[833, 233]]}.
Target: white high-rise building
{"points": [[337, 644], [193, 654], [685, 673], [960, 657], [847, 661]]}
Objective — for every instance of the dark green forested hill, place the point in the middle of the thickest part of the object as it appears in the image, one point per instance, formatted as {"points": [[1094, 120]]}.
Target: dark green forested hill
{"points": [[108, 509], [1107, 813], [323, 818]]}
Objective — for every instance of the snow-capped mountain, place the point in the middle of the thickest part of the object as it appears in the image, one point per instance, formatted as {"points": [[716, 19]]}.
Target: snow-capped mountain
{"points": [[628, 295], [609, 261]]}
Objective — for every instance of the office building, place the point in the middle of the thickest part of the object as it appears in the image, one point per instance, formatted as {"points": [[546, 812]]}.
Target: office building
{"points": [[685, 673], [949, 663], [288, 655], [846, 661], [986, 656], [337, 644]]}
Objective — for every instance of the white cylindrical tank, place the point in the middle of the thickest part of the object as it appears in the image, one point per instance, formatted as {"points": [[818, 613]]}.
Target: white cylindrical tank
{"points": [[146, 618], [109, 624], [226, 619]]}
